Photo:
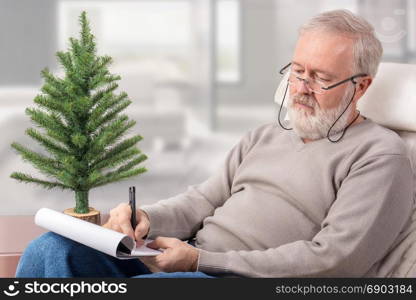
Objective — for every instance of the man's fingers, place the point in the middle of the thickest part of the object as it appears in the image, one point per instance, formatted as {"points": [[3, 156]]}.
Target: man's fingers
{"points": [[141, 230], [116, 227], [127, 229], [106, 225], [151, 264], [163, 242], [148, 260]]}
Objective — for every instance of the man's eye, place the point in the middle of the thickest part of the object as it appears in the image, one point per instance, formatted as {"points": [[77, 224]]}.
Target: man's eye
{"points": [[323, 79]]}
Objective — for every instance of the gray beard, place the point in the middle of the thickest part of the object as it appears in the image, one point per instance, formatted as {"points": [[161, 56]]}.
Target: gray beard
{"points": [[315, 127]]}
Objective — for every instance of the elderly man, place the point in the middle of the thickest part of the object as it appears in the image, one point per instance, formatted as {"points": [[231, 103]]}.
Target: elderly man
{"points": [[328, 198]]}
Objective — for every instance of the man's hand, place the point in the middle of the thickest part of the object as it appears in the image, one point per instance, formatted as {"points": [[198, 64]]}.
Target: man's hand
{"points": [[178, 256], [120, 221]]}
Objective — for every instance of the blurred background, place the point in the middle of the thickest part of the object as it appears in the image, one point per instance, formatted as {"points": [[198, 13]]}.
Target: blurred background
{"points": [[200, 74]]}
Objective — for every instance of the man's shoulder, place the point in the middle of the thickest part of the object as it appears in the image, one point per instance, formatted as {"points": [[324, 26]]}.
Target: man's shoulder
{"points": [[379, 140], [264, 128], [262, 132]]}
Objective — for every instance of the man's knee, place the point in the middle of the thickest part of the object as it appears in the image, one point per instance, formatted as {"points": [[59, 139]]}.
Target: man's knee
{"points": [[42, 254], [48, 243]]}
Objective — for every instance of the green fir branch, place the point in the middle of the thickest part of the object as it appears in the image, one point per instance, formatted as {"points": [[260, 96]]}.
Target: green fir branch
{"points": [[52, 123], [57, 107], [100, 64], [49, 104], [44, 164], [107, 101], [111, 115], [53, 86], [112, 136], [119, 132], [45, 120], [100, 94], [127, 166], [68, 178], [105, 135], [117, 159], [132, 163], [130, 142], [46, 184], [100, 81], [87, 39], [79, 65], [97, 119], [65, 60], [71, 165], [47, 143], [75, 84], [81, 107], [59, 137], [113, 177]]}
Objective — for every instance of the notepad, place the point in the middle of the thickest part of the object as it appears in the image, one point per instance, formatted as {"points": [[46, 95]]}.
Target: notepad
{"points": [[108, 241]]}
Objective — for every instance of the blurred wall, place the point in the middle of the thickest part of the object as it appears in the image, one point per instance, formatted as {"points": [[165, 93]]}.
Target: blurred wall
{"points": [[28, 40], [259, 57]]}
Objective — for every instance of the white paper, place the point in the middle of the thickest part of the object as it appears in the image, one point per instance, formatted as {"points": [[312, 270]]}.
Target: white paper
{"points": [[142, 251], [92, 235]]}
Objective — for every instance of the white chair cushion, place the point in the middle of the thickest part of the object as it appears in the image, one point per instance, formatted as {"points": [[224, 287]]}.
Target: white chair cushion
{"points": [[391, 99]]}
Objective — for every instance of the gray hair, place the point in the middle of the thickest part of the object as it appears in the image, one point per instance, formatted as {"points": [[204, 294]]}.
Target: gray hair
{"points": [[367, 49]]}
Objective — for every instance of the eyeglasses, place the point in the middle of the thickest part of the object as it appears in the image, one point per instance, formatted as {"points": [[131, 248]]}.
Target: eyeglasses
{"points": [[314, 85]]}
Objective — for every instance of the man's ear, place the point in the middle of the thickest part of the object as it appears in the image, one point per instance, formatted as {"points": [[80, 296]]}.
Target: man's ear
{"points": [[362, 86]]}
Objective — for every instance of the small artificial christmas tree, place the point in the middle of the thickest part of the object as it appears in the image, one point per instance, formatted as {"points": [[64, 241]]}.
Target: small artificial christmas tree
{"points": [[82, 125]]}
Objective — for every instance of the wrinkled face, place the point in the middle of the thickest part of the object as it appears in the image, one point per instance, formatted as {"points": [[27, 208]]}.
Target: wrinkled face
{"points": [[327, 57]]}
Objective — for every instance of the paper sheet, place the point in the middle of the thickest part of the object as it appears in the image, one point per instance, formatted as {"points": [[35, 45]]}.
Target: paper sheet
{"points": [[142, 251], [92, 235]]}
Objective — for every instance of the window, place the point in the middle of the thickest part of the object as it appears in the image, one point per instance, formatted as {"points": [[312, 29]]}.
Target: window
{"points": [[227, 38], [133, 32]]}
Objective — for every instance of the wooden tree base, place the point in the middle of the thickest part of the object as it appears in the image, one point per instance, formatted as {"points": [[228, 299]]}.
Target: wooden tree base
{"points": [[93, 216]]}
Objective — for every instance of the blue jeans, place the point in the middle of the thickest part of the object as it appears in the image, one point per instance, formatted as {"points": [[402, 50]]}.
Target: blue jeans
{"points": [[52, 255]]}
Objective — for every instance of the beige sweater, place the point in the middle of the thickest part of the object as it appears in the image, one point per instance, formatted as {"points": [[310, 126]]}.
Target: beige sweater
{"points": [[282, 208]]}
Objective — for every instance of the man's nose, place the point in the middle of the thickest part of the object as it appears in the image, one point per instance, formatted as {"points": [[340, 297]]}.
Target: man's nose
{"points": [[303, 87]]}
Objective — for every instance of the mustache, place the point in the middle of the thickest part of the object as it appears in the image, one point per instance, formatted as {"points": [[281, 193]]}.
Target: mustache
{"points": [[304, 99]]}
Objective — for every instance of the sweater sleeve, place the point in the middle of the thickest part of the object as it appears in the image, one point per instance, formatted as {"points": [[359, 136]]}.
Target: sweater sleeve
{"points": [[181, 216], [372, 205]]}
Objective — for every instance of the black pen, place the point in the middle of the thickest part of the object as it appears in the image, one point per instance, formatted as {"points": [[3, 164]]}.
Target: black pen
{"points": [[132, 202]]}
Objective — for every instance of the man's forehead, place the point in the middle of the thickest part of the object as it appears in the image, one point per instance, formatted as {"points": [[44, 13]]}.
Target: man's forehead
{"points": [[324, 51], [316, 69]]}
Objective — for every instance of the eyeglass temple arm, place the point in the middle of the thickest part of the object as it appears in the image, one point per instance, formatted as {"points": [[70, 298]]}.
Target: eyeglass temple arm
{"points": [[341, 82], [282, 70]]}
